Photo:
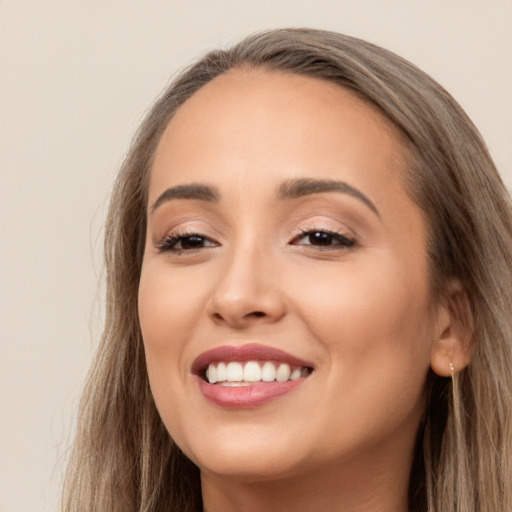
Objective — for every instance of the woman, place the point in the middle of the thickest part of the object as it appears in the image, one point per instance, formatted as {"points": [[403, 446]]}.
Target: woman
{"points": [[308, 259]]}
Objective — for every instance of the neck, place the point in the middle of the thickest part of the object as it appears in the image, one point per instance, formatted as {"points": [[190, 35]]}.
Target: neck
{"points": [[376, 489]]}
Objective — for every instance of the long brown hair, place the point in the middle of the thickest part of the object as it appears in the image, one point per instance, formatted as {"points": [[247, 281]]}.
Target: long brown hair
{"points": [[123, 459]]}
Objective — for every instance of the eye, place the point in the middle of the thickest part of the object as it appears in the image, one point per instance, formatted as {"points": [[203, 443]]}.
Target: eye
{"points": [[323, 239], [181, 242]]}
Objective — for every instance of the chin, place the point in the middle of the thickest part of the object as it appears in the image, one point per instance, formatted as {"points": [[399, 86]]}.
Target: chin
{"points": [[259, 469], [247, 455]]}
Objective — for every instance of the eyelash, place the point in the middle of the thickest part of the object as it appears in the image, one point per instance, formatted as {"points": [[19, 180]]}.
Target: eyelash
{"points": [[341, 241], [169, 243]]}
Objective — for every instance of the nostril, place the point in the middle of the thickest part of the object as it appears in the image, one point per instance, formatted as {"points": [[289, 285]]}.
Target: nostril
{"points": [[258, 314]]}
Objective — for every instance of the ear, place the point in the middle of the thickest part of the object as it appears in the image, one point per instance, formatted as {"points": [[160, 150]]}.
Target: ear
{"points": [[453, 344]]}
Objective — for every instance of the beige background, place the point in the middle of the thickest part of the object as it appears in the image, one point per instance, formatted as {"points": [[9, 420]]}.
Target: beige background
{"points": [[75, 80]]}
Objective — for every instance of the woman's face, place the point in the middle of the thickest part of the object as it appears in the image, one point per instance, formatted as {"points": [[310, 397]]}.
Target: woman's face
{"points": [[283, 251]]}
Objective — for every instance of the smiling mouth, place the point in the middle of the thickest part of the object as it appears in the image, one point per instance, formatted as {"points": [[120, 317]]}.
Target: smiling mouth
{"points": [[248, 376], [250, 373]]}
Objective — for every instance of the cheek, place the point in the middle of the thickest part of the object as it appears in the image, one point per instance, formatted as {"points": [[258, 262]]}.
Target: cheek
{"points": [[168, 304], [167, 314], [168, 309], [376, 332], [371, 319]]}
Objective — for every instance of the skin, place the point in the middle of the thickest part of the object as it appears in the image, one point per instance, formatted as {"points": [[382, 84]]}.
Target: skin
{"points": [[363, 315]]}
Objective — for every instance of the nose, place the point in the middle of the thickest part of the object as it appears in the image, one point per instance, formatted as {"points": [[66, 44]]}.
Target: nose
{"points": [[247, 292]]}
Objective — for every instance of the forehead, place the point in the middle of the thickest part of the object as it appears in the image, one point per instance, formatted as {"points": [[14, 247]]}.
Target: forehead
{"points": [[259, 123]]}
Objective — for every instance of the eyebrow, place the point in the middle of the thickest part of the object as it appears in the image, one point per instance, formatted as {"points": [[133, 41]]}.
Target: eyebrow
{"points": [[293, 189], [290, 189], [190, 191]]}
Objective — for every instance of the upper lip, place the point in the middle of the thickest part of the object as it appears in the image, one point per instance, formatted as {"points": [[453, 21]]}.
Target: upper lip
{"points": [[243, 353]]}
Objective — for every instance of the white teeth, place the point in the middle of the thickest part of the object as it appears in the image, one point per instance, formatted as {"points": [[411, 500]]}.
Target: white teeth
{"points": [[228, 384], [283, 372], [296, 374], [235, 374], [212, 374], [268, 372], [221, 372], [252, 372]]}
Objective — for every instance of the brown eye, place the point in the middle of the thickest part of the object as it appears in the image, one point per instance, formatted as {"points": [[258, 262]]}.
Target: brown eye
{"points": [[319, 238], [190, 242], [328, 239], [185, 242]]}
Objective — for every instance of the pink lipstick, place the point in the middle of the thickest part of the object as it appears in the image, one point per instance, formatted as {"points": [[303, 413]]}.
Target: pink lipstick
{"points": [[248, 376]]}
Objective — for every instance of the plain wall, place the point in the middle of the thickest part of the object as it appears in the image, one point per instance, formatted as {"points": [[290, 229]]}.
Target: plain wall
{"points": [[75, 80]]}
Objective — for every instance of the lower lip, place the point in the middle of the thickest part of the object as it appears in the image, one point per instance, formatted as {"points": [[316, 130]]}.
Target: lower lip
{"points": [[246, 397]]}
